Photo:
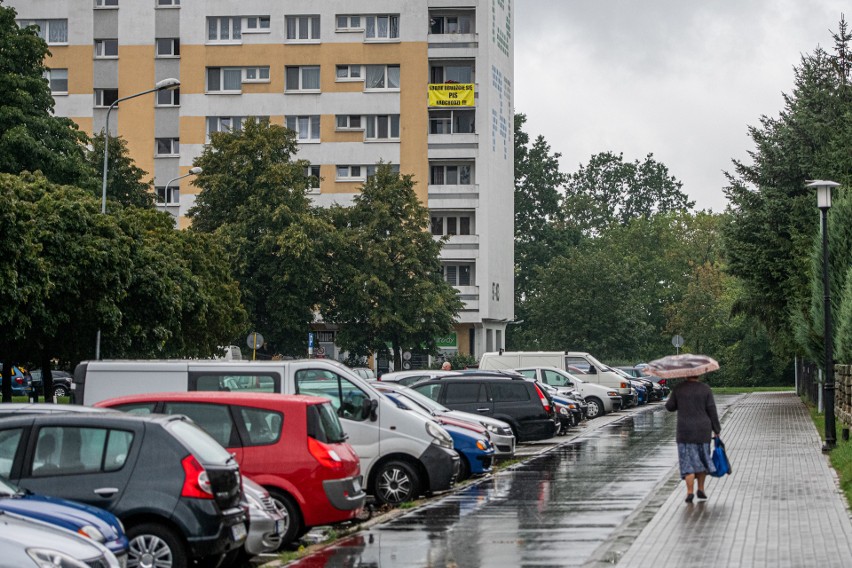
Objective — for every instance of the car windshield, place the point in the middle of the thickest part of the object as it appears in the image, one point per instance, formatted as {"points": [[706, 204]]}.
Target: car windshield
{"points": [[7, 489]]}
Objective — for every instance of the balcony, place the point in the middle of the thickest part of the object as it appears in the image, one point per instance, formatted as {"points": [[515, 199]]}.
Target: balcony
{"points": [[454, 196]]}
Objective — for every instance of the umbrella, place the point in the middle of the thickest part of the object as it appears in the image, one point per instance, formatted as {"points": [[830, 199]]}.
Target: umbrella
{"points": [[680, 366]]}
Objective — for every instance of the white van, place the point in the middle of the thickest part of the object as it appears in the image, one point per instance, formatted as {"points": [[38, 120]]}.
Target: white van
{"points": [[403, 454], [596, 371]]}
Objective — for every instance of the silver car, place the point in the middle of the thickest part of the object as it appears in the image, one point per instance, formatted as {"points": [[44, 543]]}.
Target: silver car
{"points": [[266, 521], [27, 542]]}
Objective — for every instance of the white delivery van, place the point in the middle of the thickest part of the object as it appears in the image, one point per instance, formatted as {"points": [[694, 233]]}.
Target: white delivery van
{"points": [[597, 372], [403, 454], [601, 399], [498, 360]]}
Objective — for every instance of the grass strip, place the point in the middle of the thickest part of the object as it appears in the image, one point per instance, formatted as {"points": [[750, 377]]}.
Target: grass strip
{"points": [[841, 456]]}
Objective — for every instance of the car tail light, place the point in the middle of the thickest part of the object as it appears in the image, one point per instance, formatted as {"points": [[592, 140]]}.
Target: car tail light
{"points": [[196, 483], [624, 385], [544, 401], [662, 381], [19, 380], [324, 455]]}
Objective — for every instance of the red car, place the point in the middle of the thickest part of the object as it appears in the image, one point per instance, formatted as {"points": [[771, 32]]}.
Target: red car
{"points": [[293, 445]]}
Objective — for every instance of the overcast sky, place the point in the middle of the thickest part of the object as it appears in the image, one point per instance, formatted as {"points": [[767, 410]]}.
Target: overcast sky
{"points": [[682, 79]]}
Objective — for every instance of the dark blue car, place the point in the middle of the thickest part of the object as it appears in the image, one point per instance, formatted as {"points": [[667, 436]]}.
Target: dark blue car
{"points": [[97, 524]]}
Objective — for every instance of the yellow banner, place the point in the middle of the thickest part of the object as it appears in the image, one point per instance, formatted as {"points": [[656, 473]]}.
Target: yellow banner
{"points": [[451, 95]]}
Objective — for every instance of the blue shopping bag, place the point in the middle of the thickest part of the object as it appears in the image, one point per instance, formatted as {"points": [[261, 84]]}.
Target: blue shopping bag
{"points": [[720, 459]]}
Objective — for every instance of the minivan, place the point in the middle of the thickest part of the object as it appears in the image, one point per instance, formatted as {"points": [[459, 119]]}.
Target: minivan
{"points": [[397, 448], [292, 445]]}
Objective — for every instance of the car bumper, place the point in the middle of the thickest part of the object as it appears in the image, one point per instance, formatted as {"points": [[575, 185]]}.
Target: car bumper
{"points": [[504, 446], [442, 466], [345, 494], [617, 403], [264, 534], [218, 533], [532, 430]]}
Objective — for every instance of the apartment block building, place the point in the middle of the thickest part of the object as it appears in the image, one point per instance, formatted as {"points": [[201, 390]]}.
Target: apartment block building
{"points": [[425, 85]]}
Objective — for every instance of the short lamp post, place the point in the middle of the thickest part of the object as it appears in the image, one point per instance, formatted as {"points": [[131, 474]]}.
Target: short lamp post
{"points": [[823, 189], [192, 172], [164, 85]]}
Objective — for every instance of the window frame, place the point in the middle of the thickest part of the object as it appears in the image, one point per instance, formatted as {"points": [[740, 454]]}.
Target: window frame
{"points": [[349, 27], [386, 76], [349, 78], [375, 28], [106, 4], [222, 90], [168, 4], [172, 94], [313, 122], [259, 71], [302, 69], [314, 26], [48, 74], [174, 43], [44, 33], [350, 176], [373, 122], [259, 28], [235, 33], [101, 46], [313, 186], [174, 147], [102, 91], [458, 268], [349, 127], [458, 175], [161, 199]]}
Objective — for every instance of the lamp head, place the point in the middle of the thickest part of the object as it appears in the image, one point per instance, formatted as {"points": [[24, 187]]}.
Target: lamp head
{"points": [[823, 188], [195, 171], [167, 84]]}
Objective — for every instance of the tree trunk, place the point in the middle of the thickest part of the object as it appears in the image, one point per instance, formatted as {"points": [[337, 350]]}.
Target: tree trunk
{"points": [[46, 377], [7, 380]]}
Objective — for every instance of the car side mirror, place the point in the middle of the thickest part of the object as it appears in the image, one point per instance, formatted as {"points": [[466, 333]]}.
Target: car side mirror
{"points": [[593, 370], [369, 407]]}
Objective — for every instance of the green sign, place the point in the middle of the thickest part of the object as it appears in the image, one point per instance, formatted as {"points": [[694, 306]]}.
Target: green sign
{"points": [[449, 340]]}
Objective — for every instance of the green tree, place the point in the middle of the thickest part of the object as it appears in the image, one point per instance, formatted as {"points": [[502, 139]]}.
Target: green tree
{"points": [[254, 199], [843, 343], [389, 288], [773, 216], [609, 190], [125, 183], [31, 138]]}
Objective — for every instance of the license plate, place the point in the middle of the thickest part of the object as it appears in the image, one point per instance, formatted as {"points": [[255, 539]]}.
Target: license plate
{"points": [[238, 532], [279, 527], [356, 485]]}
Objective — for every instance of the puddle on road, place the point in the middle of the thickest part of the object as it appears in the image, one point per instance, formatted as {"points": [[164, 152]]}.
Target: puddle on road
{"points": [[554, 510]]}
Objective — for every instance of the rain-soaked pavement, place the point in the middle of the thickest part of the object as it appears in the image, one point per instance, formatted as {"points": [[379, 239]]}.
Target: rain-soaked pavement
{"points": [[554, 510]]}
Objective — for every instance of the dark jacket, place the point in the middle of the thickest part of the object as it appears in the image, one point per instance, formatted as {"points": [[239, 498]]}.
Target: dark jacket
{"points": [[696, 412]]}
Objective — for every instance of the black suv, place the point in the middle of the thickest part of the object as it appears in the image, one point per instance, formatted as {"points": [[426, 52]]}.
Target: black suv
{"points": [[175, 489], [509, 398]]}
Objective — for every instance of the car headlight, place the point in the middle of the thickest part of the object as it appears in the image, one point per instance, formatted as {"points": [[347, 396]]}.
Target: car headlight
{"points": [[611, 393], [482, 445], [439, 435], [92, 533], [491, 428], [563, 410], [47, 558]]}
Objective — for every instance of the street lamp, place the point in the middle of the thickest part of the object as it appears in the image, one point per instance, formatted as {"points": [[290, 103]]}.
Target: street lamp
{"points": [[164, 85], [192, 172], [824, 204]]}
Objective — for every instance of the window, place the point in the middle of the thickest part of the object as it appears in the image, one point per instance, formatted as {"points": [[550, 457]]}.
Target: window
{"points": [[346, 398], [224, 123], [105, 97], [452, 122], [457, 274], [9, 440], [459, 393], [455, 24], [460, 73], [263, 426], [168, 47], [238, 383], [349, 173], [382, 27], [106, 3], [58, 80], [383, 127], [349, 122], [349, 23], [302, 78], [224, 79], [454, 225], [170, 197], [168, 98], [348, 72], [224, 28], [306, 127], [62, 450], [256, 75], [313, 172], [257, 24], [106, 48], [214, 419], [303, 28], [371, 169], [169, 3], [51, 31], [382, 77], [510, 391], [167, 146], [450, 174]]}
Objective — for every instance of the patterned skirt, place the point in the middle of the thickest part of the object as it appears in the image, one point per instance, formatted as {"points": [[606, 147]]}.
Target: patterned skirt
{"points": [[695, 458]]}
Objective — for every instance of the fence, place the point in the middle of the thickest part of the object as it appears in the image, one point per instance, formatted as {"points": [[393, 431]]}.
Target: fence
{"points": [[808, 380]]}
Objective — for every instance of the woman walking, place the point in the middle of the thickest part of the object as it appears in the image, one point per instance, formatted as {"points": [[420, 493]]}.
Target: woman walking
{"points": [[697, 420]]}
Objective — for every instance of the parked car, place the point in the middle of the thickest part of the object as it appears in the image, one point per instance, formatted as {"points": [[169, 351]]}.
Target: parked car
{"points": [[660, 387], [21, 381], [266, 526], [408, 378], [511, 399], [600, 399], [500, 432], [292, 445], [61, 382], [391, 443], [469, 440], [92, 522], [29, 542], [365, 373], [175, 489]]}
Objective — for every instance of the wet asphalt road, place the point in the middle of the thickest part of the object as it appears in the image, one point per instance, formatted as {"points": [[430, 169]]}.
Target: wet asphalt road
{"points": [[555, 510]]}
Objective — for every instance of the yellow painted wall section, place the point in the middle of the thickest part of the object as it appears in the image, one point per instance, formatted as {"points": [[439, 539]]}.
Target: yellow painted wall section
{"points": [[414, 116], [78, 60], [136, 116], [193, 129], [84, 122]]}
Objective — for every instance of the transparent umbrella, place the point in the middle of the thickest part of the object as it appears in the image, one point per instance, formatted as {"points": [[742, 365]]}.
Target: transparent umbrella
{"points": [[680, 366]]}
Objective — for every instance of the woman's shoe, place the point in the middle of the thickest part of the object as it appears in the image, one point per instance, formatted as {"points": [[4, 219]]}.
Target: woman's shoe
{"points": [[689, 497], [701, 494]]}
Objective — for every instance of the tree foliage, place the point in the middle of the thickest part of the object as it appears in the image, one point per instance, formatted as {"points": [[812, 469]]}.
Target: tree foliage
{"points": [[388, 287], [125, 180]]}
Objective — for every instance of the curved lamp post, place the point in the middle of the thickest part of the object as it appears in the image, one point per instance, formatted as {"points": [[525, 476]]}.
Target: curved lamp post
{"points": [[164, 85], [192, 172], [823, 188]]}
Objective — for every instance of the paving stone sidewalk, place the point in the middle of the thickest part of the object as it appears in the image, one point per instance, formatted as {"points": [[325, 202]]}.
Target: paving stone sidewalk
{"points": [[781, 506]]}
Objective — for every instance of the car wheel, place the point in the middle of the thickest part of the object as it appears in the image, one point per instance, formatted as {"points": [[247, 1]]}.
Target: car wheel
{"points": [[595, 407], [464, 468], [290, 511], [155, 546], [395, 483], [60, 391]]}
